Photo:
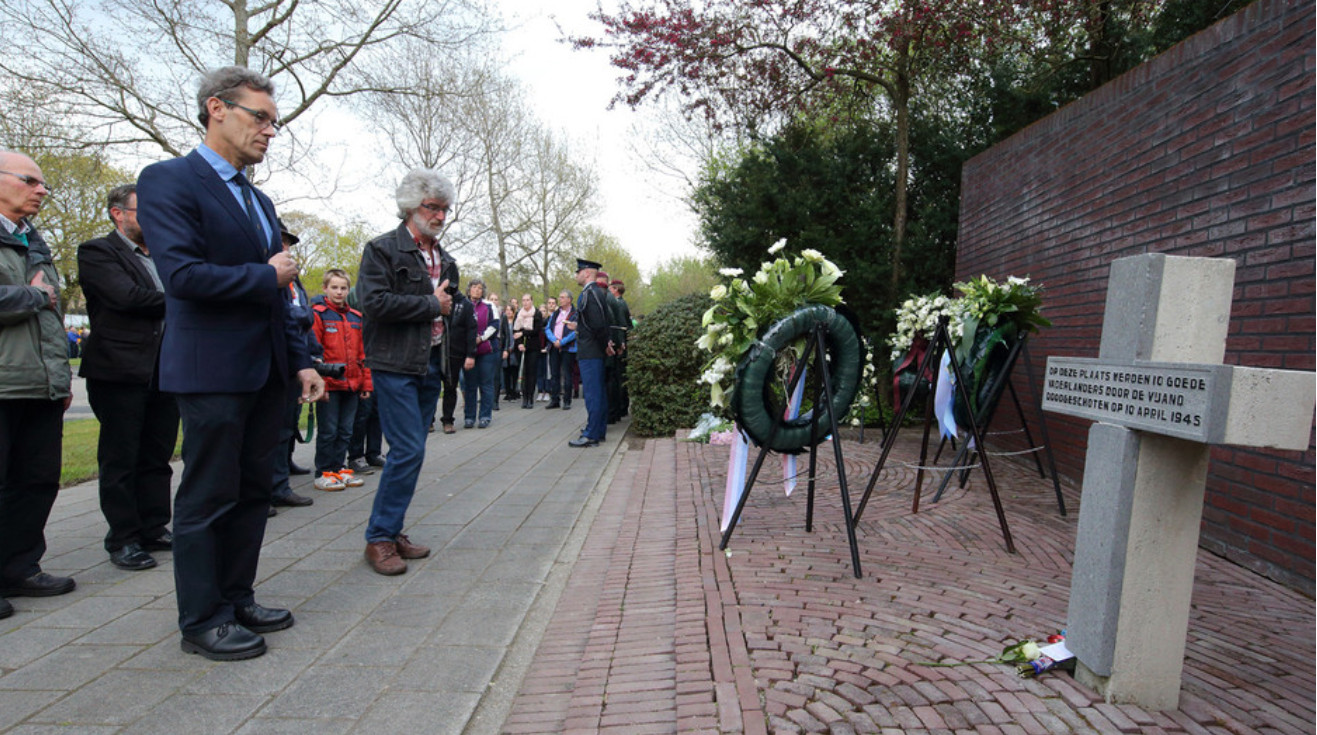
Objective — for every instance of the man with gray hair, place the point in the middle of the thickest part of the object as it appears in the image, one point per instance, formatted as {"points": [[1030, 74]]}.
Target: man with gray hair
{"points": [[139, 423], [230, 350], [407, 285], [35, 390]]}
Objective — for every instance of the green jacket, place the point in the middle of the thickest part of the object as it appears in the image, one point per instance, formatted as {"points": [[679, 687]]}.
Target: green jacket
{"points": [[34, 358]]}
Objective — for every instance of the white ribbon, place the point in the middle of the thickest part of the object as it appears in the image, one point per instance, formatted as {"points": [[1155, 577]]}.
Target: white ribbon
{"points": [[740, 449], [944, 398]]}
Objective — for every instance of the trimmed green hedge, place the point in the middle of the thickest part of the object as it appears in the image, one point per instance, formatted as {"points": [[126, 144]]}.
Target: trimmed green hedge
{"points": [[664, 366]]}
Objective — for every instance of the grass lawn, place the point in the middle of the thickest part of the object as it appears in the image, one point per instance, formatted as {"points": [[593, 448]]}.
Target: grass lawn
{"points": [[80, 439]]}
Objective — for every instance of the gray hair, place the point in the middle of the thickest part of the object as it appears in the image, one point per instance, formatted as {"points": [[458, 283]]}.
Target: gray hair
{"points": [[226, 80], [118, 197], [420, 184]]}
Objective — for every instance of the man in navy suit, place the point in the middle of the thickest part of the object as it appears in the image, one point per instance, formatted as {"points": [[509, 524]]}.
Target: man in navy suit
{"points": [[228, 352], [139, 423]]}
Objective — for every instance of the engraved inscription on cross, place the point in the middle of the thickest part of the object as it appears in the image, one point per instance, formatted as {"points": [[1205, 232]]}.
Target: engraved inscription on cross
{"points": [[1160, 397]]}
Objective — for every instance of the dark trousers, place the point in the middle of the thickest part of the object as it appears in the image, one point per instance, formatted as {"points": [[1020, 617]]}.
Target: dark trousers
{"points": [[595, 395], [451, 384], [229, 445], [31, 435], [529, 377], [139, 427], [613, 381], [283, 459], [563, 368], [510, 388], [367, 438], [334, 419]]}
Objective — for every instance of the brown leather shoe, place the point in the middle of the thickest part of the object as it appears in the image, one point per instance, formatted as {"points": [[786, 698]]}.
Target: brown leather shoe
{"points": [[383, 558], [409, 550]]}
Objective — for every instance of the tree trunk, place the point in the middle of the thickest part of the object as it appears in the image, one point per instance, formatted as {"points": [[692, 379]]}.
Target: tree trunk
{"points": [[901, 104], [241, 34]]}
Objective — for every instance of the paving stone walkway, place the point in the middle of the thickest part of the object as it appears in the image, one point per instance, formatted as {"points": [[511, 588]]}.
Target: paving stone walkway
{"points": [[658, 632], [582, 591], [423, 652]]}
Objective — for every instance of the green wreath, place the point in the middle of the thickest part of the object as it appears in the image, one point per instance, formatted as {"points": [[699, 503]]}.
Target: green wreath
{"points": [[755, 404]]}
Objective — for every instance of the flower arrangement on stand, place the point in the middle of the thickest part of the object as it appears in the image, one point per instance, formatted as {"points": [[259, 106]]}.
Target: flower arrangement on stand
{"points": [[743, 307], [916, 323], [982, 325], [995, 315]]}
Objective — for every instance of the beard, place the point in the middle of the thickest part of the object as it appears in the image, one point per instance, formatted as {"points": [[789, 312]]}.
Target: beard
{"points": [[422, 225], [133, 233]]}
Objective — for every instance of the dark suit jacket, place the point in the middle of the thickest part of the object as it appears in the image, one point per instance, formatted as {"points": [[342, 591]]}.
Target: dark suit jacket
{"points": [[127, 312], [229, 329]]}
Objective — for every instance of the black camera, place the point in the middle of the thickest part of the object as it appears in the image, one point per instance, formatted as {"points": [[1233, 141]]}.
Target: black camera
{"points": [[335, 370]]}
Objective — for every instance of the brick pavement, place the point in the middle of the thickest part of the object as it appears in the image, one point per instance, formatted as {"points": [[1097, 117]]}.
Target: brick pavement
{"points": [[659, 632]]}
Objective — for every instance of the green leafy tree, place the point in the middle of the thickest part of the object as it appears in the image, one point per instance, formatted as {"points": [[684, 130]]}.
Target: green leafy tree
{"points": [[75, 212], [681, 276], [602, 247]]}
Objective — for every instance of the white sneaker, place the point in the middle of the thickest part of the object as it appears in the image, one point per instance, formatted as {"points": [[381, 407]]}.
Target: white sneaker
{"points": [[349, 478], [329, 482]]}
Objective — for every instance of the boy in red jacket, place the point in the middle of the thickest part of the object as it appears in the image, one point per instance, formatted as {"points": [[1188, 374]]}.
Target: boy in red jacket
{"points": [[338, 329]]}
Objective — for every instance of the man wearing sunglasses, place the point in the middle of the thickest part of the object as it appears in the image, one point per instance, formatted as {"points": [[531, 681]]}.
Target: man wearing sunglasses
{"points": [[35, 388], [229, 350]]}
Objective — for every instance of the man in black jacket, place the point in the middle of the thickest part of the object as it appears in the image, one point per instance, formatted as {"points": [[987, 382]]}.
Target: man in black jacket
{"points": [[407, 284], [139, 424], [457, 353], [593, 326]]}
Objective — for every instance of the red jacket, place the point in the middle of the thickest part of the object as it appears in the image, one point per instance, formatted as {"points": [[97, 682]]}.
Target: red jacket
{"points": [[339, 332]]}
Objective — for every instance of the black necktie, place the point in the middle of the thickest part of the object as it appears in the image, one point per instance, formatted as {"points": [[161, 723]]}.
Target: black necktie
{"points": [[249, 201]]}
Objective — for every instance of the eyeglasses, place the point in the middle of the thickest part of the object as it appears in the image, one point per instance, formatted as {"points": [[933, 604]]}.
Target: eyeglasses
{"points": [[434, 208], [260, 116], [31, 181]]}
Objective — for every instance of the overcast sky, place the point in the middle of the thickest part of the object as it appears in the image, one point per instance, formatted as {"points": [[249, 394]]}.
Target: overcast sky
{"points": [[569, 91]]}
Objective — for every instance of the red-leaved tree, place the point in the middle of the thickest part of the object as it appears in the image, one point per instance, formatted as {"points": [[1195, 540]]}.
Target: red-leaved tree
{"points": [[760, 59]]}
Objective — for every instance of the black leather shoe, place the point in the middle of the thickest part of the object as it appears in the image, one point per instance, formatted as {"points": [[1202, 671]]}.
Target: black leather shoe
{"points": [[224, 642], [291, 500], [260, 619], [554, 404], [131, 557], [163, 542], [39, 585], [297, 469], [583, 442], [566, 406], [272, 512], [5, 608], [496, 406], [375, 460]]}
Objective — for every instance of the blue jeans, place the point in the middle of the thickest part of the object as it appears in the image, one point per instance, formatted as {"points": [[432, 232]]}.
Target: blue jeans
{"points": [[335, 418], [480, 377], [406, 405], [596, 398], [433, 386]]}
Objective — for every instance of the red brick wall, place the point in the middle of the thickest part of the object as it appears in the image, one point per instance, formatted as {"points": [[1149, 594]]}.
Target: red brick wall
{"points": [[1206, 150]]}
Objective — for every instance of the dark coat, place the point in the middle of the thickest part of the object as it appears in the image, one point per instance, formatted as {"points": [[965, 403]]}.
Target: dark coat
{"points": [[398, 301], [593, 322], [126, 310], [229, 326]]}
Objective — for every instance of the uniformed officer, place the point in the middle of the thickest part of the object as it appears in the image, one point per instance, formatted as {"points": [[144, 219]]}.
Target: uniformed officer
{"points": [[594, 345]]}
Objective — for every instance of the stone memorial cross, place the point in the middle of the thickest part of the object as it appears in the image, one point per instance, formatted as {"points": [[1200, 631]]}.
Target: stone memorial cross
{"points": [[1160, 397]]}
